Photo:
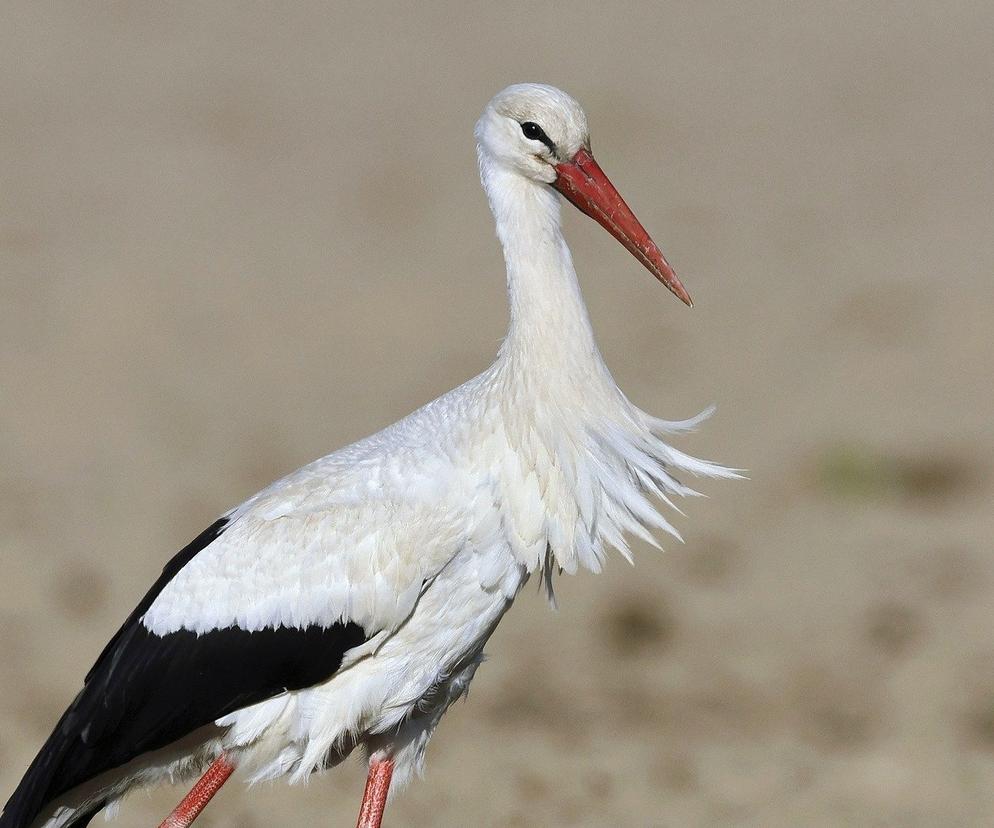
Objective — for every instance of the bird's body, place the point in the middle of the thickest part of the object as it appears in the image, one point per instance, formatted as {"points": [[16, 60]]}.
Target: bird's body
{"points": [[348, 604]]}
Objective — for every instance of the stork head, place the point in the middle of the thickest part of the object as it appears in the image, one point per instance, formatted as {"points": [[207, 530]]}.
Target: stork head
{"points": [[530, 127], [540, 133]]}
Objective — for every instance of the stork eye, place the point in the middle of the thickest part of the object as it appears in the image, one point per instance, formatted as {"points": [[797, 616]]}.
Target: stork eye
{"points": [[533, 132]]}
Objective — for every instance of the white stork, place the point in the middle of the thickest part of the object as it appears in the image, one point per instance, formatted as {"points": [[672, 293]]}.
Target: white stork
{"points": [[347, 605]]}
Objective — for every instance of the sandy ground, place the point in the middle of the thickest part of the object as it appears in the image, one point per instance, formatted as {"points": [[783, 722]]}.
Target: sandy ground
{"points": [[234, 237]]}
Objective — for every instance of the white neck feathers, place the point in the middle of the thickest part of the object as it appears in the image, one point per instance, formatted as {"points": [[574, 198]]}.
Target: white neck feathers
{"points": [[585, 467], [549, 325]]}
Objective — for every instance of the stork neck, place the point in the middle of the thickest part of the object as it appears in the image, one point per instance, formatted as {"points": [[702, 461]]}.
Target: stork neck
{"points": [[549, 326]]}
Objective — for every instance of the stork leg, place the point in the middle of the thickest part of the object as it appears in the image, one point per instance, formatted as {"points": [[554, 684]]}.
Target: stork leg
{"points": [[374, 798], [200, 794]]}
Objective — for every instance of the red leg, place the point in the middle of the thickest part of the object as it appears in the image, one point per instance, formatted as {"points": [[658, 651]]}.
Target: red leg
{"points": [[374, 799], [200, 794]]}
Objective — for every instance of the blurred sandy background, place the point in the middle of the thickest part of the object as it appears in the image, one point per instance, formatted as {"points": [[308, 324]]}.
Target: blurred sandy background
{"points": [[234, 237]]}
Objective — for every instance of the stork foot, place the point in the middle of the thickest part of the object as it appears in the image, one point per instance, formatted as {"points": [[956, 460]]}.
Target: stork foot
{"points": [[374, 798]]}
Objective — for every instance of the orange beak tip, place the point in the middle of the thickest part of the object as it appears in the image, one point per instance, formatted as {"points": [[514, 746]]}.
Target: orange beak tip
{"points": [[584, 184]]}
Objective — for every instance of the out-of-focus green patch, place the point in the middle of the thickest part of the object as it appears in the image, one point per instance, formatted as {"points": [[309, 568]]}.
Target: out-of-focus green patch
{"points": [[855, 471], [851, 470]]}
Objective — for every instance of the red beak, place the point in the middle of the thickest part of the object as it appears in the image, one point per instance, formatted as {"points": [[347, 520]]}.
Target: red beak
{"points": [[583, 182]]}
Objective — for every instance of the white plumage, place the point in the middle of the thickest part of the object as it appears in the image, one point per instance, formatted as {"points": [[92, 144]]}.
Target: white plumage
{"points": [[424, 533]]}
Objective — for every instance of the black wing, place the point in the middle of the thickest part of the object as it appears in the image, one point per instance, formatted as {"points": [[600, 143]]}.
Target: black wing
{"points": [[147, 690]]}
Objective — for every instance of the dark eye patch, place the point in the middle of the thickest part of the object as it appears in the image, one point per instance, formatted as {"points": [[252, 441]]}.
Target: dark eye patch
{"points": [[533, 132]]}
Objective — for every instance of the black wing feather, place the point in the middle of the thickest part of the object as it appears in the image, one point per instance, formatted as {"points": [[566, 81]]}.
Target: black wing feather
{"points": [[146, 691], [169, 571]]}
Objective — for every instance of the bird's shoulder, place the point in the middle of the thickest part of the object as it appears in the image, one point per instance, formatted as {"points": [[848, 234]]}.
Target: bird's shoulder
{"points": [[352, 536]]}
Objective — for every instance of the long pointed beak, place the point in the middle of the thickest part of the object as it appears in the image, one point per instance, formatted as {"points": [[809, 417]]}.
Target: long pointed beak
{"points": [[583, 182]]}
